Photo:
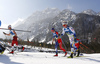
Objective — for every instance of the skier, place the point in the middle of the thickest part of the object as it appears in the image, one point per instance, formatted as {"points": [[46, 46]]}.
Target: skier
{"points": [[14, 41], [76, 47], [58, 41], [71, 34]]}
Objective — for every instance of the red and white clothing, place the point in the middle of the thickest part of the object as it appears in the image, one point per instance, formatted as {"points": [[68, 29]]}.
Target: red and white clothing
{"points": [[58, 41], [14, 41]]}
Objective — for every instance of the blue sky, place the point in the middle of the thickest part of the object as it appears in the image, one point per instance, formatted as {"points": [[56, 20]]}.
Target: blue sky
{"points": [[11, 10]]}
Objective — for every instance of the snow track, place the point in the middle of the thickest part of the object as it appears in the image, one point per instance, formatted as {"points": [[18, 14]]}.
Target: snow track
{"points": [[47, 58]]}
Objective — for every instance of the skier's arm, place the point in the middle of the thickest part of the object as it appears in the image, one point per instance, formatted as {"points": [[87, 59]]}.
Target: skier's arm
{"points": [[7, 34]]}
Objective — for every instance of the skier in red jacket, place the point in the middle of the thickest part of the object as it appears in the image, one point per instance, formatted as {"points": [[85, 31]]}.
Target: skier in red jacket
{"points": [[58, 41]]}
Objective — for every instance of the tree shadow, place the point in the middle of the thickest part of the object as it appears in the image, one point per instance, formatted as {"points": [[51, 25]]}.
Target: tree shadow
{"points": [[6, 60], [93, 59]]}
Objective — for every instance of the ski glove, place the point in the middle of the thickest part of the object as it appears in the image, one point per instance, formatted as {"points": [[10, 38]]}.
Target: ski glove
{"points": [[4, 33]]}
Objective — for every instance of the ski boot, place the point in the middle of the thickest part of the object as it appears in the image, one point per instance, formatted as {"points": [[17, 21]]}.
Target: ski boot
{"points": [[23, 48], [12, 52], [2, 52], [65, 54], [71, 56], [56, 54]]}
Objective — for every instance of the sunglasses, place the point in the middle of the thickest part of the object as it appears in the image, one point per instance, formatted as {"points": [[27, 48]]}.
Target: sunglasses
{"points": [[64, 25], [52, 30]]}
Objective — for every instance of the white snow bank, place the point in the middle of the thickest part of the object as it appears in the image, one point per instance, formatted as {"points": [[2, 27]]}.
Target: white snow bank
{"points": [[46, 58]]}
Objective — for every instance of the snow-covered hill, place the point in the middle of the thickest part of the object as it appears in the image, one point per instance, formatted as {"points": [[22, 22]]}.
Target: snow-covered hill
{"points": [[98, 14], [37, 23], [89, 12], [41, 22], [47, 58]]}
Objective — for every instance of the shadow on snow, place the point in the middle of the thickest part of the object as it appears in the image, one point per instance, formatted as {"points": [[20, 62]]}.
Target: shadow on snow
{"points": [[6, 60], [93, 59]]}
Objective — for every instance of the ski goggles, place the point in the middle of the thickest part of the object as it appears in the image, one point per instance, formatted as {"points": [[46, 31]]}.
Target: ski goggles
{"points": [[64, 25]]}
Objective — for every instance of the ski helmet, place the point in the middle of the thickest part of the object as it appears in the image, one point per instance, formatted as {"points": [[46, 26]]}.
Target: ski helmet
{"points": [[64, 22], [52, 29], [9, 26]]}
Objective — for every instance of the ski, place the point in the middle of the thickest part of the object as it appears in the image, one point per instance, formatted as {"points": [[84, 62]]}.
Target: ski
{"points": [[77, 56]]}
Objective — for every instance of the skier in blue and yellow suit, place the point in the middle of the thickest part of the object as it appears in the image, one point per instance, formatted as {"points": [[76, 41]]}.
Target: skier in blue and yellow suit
{"points": [[71, 34]]}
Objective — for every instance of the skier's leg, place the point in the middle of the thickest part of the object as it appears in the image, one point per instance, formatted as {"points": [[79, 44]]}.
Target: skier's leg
{"points": [[0, 49], [62, 48], [60, 45], [12, 48], [78, 52], [71, 45], [77, 48], [56, 45], [16, 42], [72, 51]]}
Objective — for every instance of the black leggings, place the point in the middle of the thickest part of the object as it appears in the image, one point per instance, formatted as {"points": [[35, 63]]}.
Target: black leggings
{"points": [[2, 48]]}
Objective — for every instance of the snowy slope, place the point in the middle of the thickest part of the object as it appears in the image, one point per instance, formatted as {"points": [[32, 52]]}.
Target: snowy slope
{"points": [[89, 12], [47, 58]]}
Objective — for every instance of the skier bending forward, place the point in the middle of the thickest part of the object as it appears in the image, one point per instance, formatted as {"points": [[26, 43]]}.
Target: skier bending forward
{"points": [[58, 41], [72, 36], [14, 41]]}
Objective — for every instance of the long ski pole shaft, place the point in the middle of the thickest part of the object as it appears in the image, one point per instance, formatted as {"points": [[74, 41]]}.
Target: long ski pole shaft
{"points": [[15, 30], [87, 47], [82, 49], [64, 44]]}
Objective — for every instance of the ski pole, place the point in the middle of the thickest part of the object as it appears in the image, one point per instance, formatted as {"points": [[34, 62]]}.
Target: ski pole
{"points": [[87, 47], [64, 44], [15, 30], [82, 49]]}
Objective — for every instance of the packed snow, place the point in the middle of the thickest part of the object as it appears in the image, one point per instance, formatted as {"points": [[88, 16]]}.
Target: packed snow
{"points": [[47, 58]]}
